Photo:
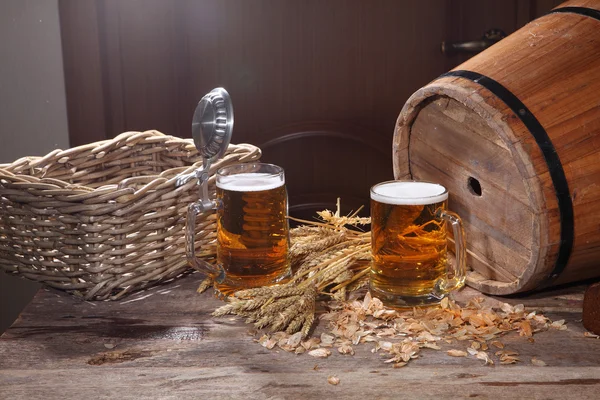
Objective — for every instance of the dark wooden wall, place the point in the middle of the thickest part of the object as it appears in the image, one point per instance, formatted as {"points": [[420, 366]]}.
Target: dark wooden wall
{"points": [[316, 84]]}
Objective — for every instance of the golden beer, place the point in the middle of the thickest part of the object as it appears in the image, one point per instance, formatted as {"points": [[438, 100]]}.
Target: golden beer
{"points": [[252, 230], [409, 247]]}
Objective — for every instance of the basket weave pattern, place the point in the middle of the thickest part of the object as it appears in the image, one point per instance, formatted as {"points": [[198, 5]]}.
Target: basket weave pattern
{"points": [[105, 219]]}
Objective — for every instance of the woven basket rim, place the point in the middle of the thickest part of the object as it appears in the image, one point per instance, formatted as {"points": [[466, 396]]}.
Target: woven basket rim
{"points": [[99, 149], [133, 185]]}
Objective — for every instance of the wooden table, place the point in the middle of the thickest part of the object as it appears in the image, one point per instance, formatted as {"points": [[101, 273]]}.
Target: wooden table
{"points": [[164, 343]]}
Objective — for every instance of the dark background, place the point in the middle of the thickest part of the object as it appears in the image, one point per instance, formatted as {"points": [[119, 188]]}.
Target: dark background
{"points": [[317, 85]]}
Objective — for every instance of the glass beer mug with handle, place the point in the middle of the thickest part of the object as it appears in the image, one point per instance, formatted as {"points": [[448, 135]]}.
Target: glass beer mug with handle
{"points": [[251, 206], [252, 228], [410, 265]]}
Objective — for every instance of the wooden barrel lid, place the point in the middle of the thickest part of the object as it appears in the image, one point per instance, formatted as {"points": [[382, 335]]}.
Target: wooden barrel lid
{"points": [[443, 135]]}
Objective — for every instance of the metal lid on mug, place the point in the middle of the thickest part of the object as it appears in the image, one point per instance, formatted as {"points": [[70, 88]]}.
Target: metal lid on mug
{"points": [[212, 124]]}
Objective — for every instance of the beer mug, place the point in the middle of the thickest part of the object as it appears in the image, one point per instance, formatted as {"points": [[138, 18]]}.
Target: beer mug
{"points": [[409, 246], [252, 228]]}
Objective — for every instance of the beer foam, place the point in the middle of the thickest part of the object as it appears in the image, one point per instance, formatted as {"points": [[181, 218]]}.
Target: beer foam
{"points": [[250, 182], [409, 193]]}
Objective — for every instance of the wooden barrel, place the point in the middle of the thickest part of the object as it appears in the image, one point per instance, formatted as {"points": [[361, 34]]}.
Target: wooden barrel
{"points": [[514, 134]]}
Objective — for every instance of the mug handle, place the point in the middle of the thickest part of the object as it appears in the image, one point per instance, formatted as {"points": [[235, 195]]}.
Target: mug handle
{"points": [[203, 205], [456, 273], [193, 210]]}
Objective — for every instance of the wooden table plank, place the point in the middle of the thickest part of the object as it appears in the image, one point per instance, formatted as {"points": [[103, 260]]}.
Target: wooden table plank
{"points": [[164, 343]]}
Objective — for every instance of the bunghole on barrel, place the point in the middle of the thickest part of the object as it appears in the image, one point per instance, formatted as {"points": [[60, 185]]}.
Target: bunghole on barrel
{"points": [[252, 228], [409, 244]]}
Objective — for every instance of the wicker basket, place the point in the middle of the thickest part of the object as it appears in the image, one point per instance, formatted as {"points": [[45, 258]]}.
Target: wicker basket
{"points": [[104, 219]]}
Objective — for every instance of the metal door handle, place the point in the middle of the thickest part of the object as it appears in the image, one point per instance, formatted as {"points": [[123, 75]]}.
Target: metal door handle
{"points": [[489, 38]]}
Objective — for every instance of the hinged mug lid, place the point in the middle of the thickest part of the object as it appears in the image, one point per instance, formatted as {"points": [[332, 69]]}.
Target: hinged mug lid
{"points": [[212, 124]]}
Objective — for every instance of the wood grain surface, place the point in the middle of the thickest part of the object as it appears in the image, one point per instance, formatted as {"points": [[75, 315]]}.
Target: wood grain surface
{"points": [[163, 343]]}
